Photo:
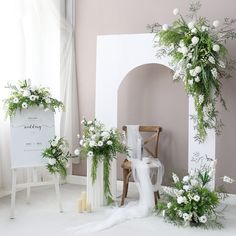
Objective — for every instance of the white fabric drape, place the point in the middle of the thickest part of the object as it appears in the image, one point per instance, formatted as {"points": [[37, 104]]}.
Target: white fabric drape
{"points": [[37, 43], [142, 173]]}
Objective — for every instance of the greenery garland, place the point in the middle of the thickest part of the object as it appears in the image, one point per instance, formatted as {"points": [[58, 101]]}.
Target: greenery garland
{"points": [[57, 156], [199, 58], [25, 95], [102, 145]]}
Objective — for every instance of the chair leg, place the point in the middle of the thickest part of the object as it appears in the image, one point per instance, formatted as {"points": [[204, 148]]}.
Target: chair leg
{"points": [[127, 183], [125, 174], [156, 196]]}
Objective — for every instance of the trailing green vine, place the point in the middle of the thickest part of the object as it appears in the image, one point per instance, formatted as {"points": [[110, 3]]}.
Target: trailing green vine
{"points": [[102, 145], [199, 58]]}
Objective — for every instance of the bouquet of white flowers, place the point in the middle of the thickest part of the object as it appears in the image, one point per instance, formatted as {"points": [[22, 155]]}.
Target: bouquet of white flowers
{"points": [[199, 58], [191, 201], [102, 145], [57, 156], [25, 95]]}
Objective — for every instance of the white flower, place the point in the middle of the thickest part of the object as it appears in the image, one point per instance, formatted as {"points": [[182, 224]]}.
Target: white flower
{"points": [[191, 25], [197, 79], [211, 59], [186, 187], [83, 121], [105, 134], [216, 47], [197, 69], [81, 142], [221, 64], [77, 152], [175, 178], [26, 93], [195, 40], [189, 65], [90, 154], [203, 219], [194, 30], [190, 82], [192, 73], [176, 11], [186, 178], [228, 180], [54, 143], [94, 137], [32, 97], [163, 213], [109, 142], [90, 122], [24, 105], [214, 72], [78, 136], [175, 76], [196, 198], [165, 27], [169, 204], [180, 192], [100, 143], [91, 129], [201, 99], [51, 161], [180, 200], [186, 216], [204, 28], [180, 213], [15, 100], [92, 143], [194, 182], [48, 100], [216, 23], [181, 43], [190, 55]]}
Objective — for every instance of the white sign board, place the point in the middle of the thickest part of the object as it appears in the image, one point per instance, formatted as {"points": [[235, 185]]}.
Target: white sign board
{"points": [[31, 129]]}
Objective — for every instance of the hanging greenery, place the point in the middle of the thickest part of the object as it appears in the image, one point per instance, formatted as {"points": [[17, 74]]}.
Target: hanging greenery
{"points": [[102, 145], [24, 95], [198, 56]]}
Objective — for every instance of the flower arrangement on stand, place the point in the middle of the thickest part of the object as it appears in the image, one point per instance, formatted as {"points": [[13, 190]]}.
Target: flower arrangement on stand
{"points": [[25, 95], [102, 145], [199, 59], [191, 201], [57, 156]]}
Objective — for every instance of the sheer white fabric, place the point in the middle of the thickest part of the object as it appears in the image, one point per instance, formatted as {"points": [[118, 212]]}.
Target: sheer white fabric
{"points": [[37, 42], [144, 182]]}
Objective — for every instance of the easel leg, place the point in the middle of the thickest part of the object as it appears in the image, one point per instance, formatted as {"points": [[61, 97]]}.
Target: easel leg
{"points": [[28, 184], [13, 194], [57, 189]]}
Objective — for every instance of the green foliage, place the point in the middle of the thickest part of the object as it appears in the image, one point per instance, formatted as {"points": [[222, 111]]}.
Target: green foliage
{"points": [[102, 145], [25, 95], [199, 59], [57, 156]]}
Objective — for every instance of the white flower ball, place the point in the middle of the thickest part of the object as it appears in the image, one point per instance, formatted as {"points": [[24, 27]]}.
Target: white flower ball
{"points": [[100, 143], [181, 43], [77, 152], [186, 178], [180, 200], [82, 122], [81, 142], [48, 100], [190, 82], [109, 142], [32, 97], [191, 25], [211, 59], [90, 122], [222, 64], [186, 187], [78, 136], [194, 182], [214, 72], [15, 100], [196, 198], [24, 105], [26, 93], [189, 65], [190, 55], [91, 129], [186, 216], [169, 205], [54, 143], [51, 161], [198, 69], [92, 143], [176, 11], [216, 23], [175, 178], [194, 30], [90, 154], [203, 219], [184, 50], [197, 79], [216, 47], [204, 28], [201, 99], [165, 27], [195, 40]]}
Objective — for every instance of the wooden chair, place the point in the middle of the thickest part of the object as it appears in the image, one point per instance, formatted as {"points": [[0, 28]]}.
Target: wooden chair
{"points": [[126, 165]]}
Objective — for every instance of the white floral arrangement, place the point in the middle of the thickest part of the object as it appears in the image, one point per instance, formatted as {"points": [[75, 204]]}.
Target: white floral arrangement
{"points": [[57, 156], [191, 201], [24, 95], [197, 49], [102, 145]]}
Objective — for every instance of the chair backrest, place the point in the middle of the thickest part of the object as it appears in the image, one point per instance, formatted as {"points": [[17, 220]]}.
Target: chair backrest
{"points": [[154, 137]]}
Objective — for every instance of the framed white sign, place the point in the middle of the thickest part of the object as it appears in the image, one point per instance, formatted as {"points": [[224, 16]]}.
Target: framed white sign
{"points": [[31, 129]]}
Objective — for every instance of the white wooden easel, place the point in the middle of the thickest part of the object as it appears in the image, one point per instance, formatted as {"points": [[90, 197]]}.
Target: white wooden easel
{"points": [[32, 183]]}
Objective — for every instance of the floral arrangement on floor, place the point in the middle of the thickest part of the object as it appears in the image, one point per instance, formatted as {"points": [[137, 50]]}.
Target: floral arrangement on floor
{"points": [[102, 145], [199, 58], [25, 95], [191, 201], [57, 156]]}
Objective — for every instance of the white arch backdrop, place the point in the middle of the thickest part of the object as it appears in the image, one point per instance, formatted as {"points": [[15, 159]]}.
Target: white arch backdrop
{"points": [[117, 55]]}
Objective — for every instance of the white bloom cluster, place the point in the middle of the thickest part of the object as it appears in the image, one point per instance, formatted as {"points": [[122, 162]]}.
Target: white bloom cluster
{"points": [[214, 72], [228, 180]]}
